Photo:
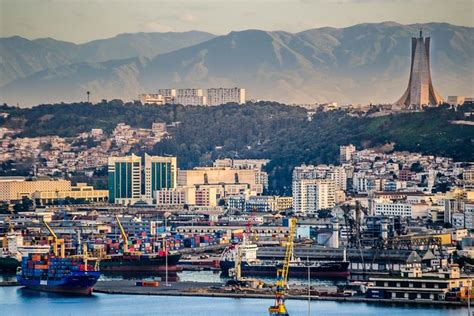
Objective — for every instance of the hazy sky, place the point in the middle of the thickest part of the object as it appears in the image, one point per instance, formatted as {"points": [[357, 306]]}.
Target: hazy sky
{"points": [[84, 20]]}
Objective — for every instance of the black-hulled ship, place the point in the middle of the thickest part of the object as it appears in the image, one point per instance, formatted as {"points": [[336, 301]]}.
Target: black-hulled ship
{"points": [[330, 269], [251, 266], [139, 263]]}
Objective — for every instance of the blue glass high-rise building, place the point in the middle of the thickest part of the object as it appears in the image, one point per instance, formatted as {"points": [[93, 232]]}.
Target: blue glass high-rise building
{"points": [[124, 179]]}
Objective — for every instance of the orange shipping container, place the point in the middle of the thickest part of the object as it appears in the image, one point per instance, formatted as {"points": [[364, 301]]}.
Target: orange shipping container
{"points": [[41, 266], [150, 283]]}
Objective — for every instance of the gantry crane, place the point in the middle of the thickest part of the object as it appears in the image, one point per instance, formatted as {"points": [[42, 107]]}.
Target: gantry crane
{"points": [[56, 242], [279, 308]]}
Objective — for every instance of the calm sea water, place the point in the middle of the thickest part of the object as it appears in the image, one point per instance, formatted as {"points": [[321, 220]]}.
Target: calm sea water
{"points": [[19, 301]]}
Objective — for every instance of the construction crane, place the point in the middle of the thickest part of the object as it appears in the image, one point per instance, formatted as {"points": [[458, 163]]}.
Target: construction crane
{"points": [[124, 235], [56, 242], [279, 308]]}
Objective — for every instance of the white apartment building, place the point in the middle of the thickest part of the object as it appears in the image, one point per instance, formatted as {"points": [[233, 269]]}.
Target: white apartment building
{"points": [[339, 176], [311, 195], [190, 97], [194, 96], [174, 96], [469, 215], [362, 183], [170, 93], [457, 220], [402, 209], [345, 153], [392, 209], [468, 179], [170, 197], [218, 96]]}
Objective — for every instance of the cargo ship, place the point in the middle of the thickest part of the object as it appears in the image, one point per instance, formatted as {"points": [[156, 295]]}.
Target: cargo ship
{"points": [[251, 266], [55, 274], [330, 269], [139, 263], [130, 261]]}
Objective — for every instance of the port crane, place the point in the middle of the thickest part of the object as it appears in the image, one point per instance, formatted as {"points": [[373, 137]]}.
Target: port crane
{"points": [[125, 238], [279, 308], [57, 242], [123, 233]]}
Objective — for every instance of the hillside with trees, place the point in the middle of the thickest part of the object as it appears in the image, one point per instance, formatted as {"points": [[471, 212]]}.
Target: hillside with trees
{"points": [[258, 130]]}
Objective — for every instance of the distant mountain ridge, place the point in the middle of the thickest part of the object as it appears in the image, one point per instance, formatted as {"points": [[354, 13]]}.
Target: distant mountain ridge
{"points": [[22, 57], [358, 64]]}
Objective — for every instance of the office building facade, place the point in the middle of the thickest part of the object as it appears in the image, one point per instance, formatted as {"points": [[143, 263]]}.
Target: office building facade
{"points": [[124, 179], [160, 173]]}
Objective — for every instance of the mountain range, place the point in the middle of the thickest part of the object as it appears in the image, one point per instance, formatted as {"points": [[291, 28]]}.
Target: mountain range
{"points": [[358, 64]]}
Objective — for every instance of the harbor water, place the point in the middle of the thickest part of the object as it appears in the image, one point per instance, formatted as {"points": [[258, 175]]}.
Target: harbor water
{"points": [[16, 300], [20, 301]]}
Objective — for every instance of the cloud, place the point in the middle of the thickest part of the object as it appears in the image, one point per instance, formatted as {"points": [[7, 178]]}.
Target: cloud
{"points": [[157, 26], [188, 17]]}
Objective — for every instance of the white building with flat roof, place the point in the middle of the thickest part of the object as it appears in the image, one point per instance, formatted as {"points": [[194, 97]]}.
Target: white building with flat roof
{"points": [[311, 195], [218, 96]]}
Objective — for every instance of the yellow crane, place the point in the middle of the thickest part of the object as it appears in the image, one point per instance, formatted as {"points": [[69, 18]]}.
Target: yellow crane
{"points": [[123, 233], [279, 308], [56, 242]]}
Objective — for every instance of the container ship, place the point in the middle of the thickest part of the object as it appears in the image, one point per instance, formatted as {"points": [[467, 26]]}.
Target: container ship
{"points": [[55, 274], [131, 261]]}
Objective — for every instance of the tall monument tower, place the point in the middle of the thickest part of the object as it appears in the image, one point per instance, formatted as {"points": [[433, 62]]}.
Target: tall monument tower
{"points": [[420, 91]]}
